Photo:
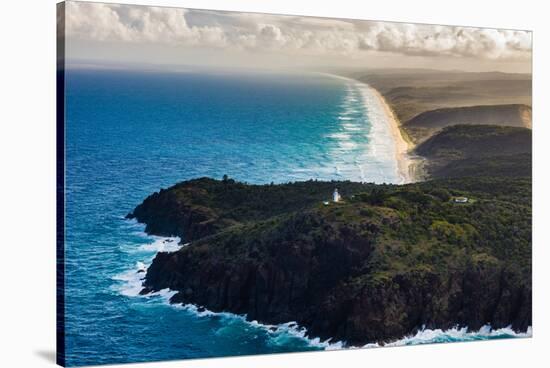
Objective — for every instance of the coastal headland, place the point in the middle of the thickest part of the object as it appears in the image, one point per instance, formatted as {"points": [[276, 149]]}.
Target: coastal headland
{"points": [[383, 263], [423, 104], [451, 248]]}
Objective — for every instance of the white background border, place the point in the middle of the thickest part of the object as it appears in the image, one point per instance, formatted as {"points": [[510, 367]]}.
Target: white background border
{"points": [[27, 181]]}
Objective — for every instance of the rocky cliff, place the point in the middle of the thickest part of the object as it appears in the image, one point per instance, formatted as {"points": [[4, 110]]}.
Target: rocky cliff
{"points": [[377, 266]]}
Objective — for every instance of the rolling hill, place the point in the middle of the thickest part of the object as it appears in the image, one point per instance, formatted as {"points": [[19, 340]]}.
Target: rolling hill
{"points": [[515, 115], [478, 150]]}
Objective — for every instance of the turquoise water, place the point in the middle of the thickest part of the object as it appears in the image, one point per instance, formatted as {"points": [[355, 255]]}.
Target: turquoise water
{"points": [[130, 133]]}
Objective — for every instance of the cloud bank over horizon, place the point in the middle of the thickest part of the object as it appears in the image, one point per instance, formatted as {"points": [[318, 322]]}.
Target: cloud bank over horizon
{"points": [[291, 35]]}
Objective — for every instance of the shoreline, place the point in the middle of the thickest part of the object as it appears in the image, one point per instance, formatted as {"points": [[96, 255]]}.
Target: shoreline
{"points": [[407, 164], [132, 280], [403, 147], [414, 336]]}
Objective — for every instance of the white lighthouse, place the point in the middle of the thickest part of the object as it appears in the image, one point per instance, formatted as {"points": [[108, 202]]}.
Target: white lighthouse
{"points": [[336, 196]]}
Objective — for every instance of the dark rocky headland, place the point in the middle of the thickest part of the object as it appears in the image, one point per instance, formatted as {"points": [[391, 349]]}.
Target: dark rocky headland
{"points": [[379, 265]]}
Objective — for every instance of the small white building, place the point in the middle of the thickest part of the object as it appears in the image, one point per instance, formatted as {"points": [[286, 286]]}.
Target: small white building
{"points": [[336, 196], [461, 199]]}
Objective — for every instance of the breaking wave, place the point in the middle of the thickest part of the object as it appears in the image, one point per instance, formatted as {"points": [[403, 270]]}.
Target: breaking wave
{"points": [[362, 146], [457, 334], [285, 333]]}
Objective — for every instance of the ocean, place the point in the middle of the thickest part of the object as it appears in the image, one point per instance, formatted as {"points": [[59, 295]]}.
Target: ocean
{"points": [[130, 133]]}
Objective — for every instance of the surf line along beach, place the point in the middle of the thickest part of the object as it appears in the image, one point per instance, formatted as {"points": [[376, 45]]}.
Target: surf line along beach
{"points": [[384, 122], [405, 164]]}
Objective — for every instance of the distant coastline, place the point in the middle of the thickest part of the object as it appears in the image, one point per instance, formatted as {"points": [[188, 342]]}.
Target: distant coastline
{"points": [[407, 165], [403, 147], [423, 108]]}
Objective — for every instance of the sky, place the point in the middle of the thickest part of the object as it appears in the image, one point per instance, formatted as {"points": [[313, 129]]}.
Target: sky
{"points": [[106, 34]]}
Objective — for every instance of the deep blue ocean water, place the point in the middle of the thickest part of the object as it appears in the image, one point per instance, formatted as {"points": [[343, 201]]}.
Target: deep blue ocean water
{"points": [[129, 134]]}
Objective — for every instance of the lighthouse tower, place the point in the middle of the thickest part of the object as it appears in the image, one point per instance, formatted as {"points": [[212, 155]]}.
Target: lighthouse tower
{"points": [[336, 195]]}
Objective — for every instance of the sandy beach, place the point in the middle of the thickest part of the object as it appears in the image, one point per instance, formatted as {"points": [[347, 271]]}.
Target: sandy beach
{"points": [[407, 165], [405, 162]]}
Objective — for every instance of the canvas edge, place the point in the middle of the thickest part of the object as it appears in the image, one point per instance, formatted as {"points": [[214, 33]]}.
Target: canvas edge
{"points": [[60, 184]]}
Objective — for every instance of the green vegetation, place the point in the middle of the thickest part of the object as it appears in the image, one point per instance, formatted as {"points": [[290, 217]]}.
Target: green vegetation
{"points": [[504, 115], [478, 150], [427, 100], [387, 259], [276, 251], [203, 206]]}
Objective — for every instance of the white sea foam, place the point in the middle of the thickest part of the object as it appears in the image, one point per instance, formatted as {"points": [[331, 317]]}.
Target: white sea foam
{"points": [[132, 223], [429, 336], [131, 283], [363, 148], [347, 145], [157, 244], [340, 136], [161, 244], [351, 127], [165, 294], [132, 279], [279, 334], [381, 159], [349, 110], [381, 142]]}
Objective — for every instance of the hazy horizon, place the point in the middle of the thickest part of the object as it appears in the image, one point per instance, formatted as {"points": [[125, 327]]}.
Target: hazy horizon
{"points": [[107, 35]]}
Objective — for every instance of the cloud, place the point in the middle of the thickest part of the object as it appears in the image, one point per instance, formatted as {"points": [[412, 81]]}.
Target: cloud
{"points": [[126, 23], [447, 40], [291, 34]]}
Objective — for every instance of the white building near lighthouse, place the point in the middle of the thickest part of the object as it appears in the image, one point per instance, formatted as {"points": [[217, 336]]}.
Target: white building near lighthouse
{"points": [[336, 196]]}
